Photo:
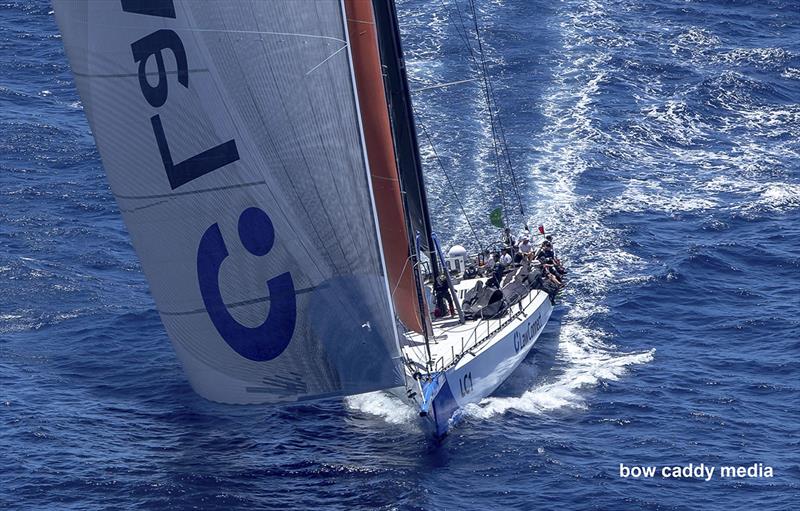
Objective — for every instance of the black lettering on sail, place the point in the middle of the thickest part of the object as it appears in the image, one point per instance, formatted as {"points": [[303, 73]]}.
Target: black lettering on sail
{"points": [[344, 325], [152, 46], [160, 8], [196, 166]]}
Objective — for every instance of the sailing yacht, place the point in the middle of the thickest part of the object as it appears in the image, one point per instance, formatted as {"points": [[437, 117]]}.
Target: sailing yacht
{"points": [[264, 156]]}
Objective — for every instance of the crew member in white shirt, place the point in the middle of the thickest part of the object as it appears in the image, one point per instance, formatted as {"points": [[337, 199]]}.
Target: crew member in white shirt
{"points": [[525, 247]]}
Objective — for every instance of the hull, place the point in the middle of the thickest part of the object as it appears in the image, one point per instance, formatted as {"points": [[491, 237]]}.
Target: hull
{"points": [[479, 373]]}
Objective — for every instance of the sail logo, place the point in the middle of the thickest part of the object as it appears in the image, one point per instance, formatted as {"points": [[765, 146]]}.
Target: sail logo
{"points": [[256, 232], [272, 336], [153, 46]]}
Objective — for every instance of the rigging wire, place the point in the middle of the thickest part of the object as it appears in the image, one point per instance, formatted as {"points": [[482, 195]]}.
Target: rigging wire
{"points": [[449, 181], [463, 32], [482, 68], [484, 74], [504, 143], [502, 155]]}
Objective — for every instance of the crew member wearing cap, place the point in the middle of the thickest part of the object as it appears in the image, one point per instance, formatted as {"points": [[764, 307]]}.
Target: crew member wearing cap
{"points": [[525, 247]]}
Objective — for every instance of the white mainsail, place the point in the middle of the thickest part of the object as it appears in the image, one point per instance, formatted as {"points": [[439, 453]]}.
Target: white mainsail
{"points": [[230, 135]]}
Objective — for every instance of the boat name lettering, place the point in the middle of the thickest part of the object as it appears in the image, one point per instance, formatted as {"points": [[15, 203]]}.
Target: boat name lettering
{"points": [[523, 336], [152, 46], [465, 384]]}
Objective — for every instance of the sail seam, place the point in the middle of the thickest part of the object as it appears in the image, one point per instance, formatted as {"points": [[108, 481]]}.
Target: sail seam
{"points": [[235, 304], [189, 192], [146, 206], [364, 22], [384, 178], [132, 75], [259, 32], [79, 21]]}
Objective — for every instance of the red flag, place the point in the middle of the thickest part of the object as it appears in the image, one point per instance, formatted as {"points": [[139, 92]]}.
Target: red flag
{"points": [[541, 229]]}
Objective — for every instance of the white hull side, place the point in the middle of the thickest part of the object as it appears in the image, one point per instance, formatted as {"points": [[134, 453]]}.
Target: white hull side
{"points": [[478, 375]]}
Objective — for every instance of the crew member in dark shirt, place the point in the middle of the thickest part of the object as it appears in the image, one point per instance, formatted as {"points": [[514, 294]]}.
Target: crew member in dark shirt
{"points": [[497, 272], [508, 240], [442, 291]]}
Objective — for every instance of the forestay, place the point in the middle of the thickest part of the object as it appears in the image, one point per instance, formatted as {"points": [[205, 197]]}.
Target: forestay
{"points": [[230, 135]]}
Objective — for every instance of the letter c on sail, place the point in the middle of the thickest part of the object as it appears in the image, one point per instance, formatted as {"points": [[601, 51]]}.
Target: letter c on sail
{"points": [[270, 338]]}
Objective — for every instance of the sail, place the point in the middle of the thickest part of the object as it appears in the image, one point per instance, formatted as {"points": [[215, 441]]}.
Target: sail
{"points": [[406, 145], [231, 137], [383, 162]]}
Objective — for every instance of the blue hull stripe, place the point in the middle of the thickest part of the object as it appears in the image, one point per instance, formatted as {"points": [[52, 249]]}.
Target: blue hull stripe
{"points": [[444, 406]]}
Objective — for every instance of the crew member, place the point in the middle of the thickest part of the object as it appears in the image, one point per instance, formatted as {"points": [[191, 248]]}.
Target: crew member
{"points": [[525, 247], [497, 272], [546, 251], [507, 239], [442, 290]]}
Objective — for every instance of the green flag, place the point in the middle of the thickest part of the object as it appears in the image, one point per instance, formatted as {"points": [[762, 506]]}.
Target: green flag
{"points": [[496, 217]]}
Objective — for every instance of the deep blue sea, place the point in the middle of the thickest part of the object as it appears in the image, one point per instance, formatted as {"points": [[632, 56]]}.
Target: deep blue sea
{"points": [[658, 140]]}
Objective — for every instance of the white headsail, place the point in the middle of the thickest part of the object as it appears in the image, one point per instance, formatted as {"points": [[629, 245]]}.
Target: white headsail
{"points": [[230, 134]]}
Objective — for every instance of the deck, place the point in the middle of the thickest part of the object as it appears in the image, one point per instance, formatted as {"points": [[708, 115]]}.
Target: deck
{"points": [[453, 340]]}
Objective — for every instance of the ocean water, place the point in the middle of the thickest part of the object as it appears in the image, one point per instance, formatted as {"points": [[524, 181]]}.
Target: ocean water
{"points": [[658, 140]]}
